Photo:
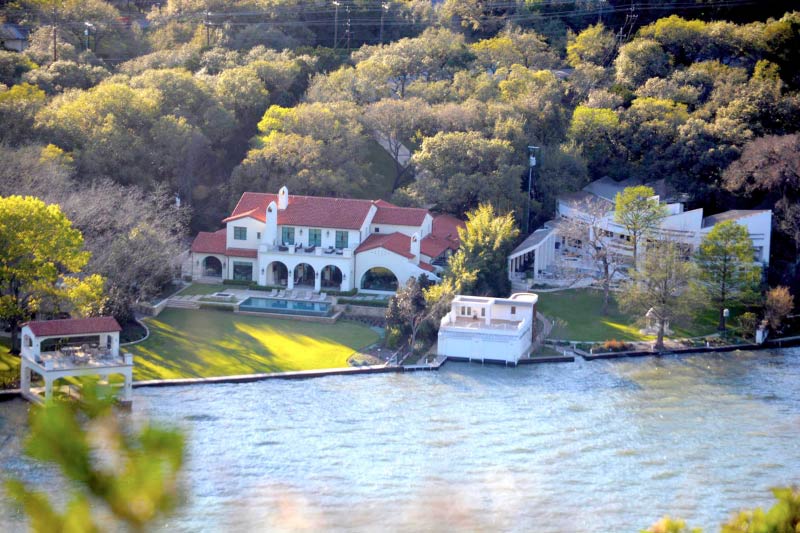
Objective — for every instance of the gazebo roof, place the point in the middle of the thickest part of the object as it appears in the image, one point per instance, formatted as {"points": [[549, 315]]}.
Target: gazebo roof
{"points": [[74, 326]]}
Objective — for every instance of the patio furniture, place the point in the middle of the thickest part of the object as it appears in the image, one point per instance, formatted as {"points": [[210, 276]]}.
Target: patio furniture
{"points": [[329, 250], [273, 292], [308, 295], [339, 251], [322, 296], [310, 249], [283, 248], [281, 294]]}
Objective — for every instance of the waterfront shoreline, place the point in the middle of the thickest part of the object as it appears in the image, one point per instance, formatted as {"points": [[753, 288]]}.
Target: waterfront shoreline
{"points": [[10, 394]]}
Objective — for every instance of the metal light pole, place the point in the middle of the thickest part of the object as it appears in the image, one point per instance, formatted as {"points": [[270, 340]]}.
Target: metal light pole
{"points": [[208, 29], [385, 8], [531, 164], [336, 24]]}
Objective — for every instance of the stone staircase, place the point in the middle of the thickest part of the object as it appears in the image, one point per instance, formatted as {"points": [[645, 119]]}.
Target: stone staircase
{"points": [[184, 302]]}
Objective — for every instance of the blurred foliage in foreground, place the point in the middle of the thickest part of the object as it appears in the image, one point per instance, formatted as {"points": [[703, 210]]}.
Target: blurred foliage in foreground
{"points": [[132, 473], [783, 517]]}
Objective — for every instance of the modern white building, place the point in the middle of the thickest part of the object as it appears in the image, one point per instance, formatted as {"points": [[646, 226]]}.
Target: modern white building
{"points": [[56, 349], [324, 243], [546, 248], [485, 329]]}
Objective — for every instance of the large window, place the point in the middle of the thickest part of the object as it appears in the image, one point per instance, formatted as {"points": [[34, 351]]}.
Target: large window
{"points": [[314, 237], [341, 239], [242, 271], [240, 233], [287, 235]]}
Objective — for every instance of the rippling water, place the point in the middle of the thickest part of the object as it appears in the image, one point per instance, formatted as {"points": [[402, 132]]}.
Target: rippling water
{"points": [[600, 446]]}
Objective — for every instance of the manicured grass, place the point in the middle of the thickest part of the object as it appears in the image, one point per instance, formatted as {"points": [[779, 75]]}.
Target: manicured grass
{"points": [[582, 311], [205, 343], [202, 288], [9, 364]]}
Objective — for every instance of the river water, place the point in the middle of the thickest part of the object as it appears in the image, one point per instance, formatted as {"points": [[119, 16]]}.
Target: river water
{"points": [[591, 446]]}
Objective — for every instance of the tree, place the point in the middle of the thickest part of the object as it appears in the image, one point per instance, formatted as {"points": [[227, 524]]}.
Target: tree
{"points": [[778, 304], [486, 241], [595, 45], [596, 133], [770, 166], [660, 287], [636, 209], [408, 309], [726, 272], [640, 60], [42, 255], [397, 121], [132, 473], [592, 230], [459, 170]]}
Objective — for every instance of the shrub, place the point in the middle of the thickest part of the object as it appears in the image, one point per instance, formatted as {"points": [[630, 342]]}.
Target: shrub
{"points": [[364, 303], [351, 292], [613, 345], [236, 282], [187, 278], [779, 303], [257, 287], [393, 337], [746, 325]]}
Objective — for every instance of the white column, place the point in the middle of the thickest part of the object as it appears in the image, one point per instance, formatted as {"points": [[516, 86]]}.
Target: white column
{"points": [[25, 377], [48, 387], [290, 278], [317, 280], [127, 390]]}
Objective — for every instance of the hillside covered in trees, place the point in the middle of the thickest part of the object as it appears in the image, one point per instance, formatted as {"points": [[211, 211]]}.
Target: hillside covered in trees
{"points": [[116, 107]]}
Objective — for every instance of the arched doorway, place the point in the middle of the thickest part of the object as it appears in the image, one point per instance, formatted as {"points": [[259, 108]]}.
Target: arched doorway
{"points": [[277, 274], [379, 279], [212, 267], [331, 278], [304, 275]]}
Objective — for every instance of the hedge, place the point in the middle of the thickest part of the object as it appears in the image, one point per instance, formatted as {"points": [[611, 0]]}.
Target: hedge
{"points": [[363, 303], [236, 282], [351, 292]]}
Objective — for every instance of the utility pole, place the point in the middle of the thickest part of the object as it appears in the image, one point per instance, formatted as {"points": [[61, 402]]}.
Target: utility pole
{"points": [[384, 9], [335, 24], [55, 33], [208, 29], [531, 164], [347, 30]]}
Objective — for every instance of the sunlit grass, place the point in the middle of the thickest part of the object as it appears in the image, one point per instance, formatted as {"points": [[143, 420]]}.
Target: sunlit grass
{"points": [[9, 364], [582, 311], [205, 343]]}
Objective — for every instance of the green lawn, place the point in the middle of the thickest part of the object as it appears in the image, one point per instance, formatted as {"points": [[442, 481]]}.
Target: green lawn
{"points": [[204, 343], [9, 364], [201, 288], [581, 309]]}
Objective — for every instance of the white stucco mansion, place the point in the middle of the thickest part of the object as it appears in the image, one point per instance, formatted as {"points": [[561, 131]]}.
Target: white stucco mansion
{"points": [[545, 250], [324, 243]]}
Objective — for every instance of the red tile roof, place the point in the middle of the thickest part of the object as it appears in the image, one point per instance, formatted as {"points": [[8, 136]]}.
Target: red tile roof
{"points": [[383, 203], [444, 235], [394, 242], [210, 243], [241, 252], [447, 226], [434, 246], [74, 326], [314, 211], [426, 266], [401, 216]]}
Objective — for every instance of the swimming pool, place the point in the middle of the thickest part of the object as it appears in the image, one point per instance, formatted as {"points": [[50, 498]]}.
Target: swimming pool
{"points": [[288, 307]]}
